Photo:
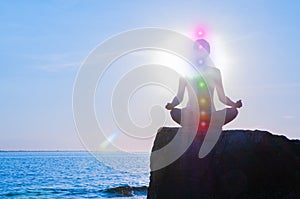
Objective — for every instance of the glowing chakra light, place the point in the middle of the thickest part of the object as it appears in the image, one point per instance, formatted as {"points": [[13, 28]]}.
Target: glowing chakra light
{"points": [[204, 117], [202, 84], [200, 32], [200, 47], [203, 124], [202, 100], [200, 61]]}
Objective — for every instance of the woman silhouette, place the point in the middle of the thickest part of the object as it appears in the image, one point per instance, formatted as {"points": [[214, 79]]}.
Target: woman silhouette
{"points": [[203, 85]]}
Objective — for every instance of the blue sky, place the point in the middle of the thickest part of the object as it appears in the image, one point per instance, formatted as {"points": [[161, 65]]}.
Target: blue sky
{"points": [[43, 43]]}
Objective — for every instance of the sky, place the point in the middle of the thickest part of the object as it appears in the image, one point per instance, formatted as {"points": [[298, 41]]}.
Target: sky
{"points": [[255, 44]]}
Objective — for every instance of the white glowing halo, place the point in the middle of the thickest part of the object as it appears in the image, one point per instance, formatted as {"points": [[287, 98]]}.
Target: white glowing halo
{"points": [[89, 130]]}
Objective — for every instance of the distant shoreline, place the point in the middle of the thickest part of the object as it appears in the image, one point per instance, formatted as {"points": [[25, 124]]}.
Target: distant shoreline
{"points": [[5, 151], [43, 151]]}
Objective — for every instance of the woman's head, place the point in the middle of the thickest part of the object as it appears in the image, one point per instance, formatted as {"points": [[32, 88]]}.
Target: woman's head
{"points": [[202, 46]]}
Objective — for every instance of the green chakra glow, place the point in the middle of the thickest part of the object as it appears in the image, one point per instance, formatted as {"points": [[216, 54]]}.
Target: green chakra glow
{"points": [[201, 83]]}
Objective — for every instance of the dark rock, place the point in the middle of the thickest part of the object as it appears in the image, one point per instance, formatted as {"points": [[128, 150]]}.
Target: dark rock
{"points": [[125, 191], [243, 164]]}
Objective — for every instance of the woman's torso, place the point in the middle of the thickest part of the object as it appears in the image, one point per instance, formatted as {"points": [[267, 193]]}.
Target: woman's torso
{"points": [[201, 89]]}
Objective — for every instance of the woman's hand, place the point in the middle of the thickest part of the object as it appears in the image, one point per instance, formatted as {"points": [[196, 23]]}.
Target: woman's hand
{"points": [[169, 106], [238, 104]]}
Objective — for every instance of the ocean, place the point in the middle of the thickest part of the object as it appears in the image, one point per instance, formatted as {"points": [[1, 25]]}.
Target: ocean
{"points": [[73, 175]]}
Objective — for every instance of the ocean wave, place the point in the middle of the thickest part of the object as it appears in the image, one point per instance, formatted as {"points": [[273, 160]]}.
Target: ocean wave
{"points": [[114, 192]]}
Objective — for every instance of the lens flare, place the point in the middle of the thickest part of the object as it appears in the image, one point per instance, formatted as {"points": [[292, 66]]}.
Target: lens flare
{"points": [[111, 138]]}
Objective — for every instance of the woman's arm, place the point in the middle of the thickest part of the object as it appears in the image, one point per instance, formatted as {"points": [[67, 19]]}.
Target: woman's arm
{"points": [[221, 94], [179, 97]]}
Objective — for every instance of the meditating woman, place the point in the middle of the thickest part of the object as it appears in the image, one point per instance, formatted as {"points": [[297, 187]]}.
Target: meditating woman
{"points": [[203, 86]]}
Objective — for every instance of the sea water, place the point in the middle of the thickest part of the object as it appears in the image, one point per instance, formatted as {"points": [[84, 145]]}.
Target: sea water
{"points": [[73, 175]]}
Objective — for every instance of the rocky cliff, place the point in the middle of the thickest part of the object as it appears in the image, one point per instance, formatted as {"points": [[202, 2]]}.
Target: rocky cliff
{"points": [[243, 164]]}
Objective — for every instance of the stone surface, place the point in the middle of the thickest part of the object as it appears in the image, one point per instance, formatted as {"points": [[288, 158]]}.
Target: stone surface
{"points": [[243, 164]]}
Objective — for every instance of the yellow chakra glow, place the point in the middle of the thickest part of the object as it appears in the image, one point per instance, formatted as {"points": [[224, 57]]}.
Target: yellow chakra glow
{"points": [[202, 101]]}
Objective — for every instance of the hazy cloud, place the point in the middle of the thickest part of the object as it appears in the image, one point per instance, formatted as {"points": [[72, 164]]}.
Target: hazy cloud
{"points": [[288, 117], [56, 62]]}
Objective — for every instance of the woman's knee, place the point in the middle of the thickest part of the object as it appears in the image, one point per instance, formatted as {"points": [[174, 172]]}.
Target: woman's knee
{"points": [[172, 113], [176, 115], [235, 112], [231, 114]]}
